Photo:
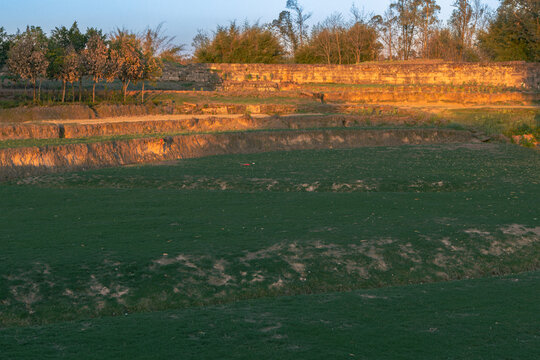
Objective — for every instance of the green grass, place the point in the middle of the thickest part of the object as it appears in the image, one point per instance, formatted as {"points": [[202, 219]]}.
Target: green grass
{"points": [[496, 121], [495, 318], [213, 230], [211, 98]]}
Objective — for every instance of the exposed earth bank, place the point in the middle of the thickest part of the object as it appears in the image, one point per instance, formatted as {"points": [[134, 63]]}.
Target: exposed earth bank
{"points": [[18, 162]]}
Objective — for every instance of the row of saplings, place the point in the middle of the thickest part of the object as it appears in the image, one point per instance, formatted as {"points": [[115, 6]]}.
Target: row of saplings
{"points": [[69, 55]]}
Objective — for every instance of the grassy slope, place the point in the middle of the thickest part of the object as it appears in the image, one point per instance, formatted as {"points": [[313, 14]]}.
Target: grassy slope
{"points": [[212, 230], [496, 318]]}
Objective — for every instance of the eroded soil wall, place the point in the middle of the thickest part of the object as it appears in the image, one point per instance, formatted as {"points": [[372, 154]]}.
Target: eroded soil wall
{"points": [[194, 124], [19, 162], [509, 74]]}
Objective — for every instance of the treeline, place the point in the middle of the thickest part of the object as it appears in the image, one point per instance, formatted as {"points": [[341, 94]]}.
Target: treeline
{"points": [[69, 55], [408, 29]]}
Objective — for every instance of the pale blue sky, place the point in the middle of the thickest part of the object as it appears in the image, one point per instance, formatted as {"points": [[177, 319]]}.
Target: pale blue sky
{"points": [[182, 17]]}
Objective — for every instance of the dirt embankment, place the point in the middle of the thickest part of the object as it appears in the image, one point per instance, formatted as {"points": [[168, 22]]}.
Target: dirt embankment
{"points": [[133, 126], [19, 162], [433, 96]]}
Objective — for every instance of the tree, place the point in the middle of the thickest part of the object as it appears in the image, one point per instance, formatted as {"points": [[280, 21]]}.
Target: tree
{"points": [[334, 23], [165, 46], [71, 71], [361, 37], [5, 42], [292, 27], [443, 45], [361, 44], [27, 56], [465, 22], [407, 18], [250, 44], [63, 64], [388, 32], [459, 22], [95, 58], [129, 61], [514, 33], [63, 39], [428, 10], [336, 42], [152, 65]]}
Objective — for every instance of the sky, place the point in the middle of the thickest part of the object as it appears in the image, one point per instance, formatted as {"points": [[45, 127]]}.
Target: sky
{"points": [[182, 18]]}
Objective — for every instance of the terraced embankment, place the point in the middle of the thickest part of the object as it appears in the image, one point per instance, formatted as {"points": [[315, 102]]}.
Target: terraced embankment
{"points": [[15, 162], [187, 123]]}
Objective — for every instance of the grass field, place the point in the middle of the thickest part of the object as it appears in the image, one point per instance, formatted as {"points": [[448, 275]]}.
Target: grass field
{"points": [[310, 254], [495, 318]]}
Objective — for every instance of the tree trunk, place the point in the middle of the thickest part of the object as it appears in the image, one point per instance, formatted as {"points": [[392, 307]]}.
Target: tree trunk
{"points": [[94, 92], [125, 85], [63, 90], [72, 92], [142, 93], [39, 91], [338, 48], [80, 89], [34, 86]]}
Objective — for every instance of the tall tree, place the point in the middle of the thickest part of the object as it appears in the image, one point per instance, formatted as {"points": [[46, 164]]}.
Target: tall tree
{"points": [[459, 22], [407, 18], [292, 26], [387, 30], [27, 56], [428, 10], [336, 26]]}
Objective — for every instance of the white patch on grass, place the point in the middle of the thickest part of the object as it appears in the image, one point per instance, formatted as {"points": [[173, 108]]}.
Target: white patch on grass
{"points": [[219, 277], [520, 230], [271, 328]]}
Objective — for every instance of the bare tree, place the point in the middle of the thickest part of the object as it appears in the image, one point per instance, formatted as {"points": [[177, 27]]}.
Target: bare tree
{"points": [[152, 41], [427, 21], [361, 35], [323, 41], [459, 22], [336, 26], [407, 18], [388, 32]]}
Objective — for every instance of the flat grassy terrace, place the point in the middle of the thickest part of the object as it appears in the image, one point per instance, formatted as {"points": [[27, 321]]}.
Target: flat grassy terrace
{"points": [[287, 253]]}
